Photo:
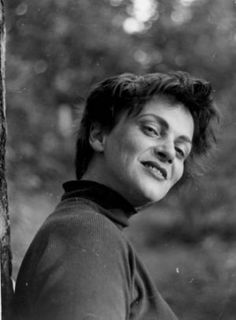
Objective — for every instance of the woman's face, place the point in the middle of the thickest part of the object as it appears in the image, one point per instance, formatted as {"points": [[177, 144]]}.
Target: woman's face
{"points": [[143, 156]]}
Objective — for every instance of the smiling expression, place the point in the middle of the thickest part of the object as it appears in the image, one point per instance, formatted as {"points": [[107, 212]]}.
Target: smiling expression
{"points": [[143, 156]]}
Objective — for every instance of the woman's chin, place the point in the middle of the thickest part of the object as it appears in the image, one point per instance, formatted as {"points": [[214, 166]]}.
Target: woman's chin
{"points": [[147, 199]]}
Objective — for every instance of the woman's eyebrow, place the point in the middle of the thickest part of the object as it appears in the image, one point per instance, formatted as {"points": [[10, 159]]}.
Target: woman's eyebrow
{"points": [[158, 119]]}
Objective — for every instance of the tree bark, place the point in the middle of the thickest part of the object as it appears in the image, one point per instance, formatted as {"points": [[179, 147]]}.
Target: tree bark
{"points": [[5, 252]]}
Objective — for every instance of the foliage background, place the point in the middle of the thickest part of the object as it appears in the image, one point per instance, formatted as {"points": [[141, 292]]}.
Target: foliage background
{"points": [[56, 50]]}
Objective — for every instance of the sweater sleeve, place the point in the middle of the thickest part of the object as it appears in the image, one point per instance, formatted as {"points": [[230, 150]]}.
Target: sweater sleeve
{"points": [[82, 273]]}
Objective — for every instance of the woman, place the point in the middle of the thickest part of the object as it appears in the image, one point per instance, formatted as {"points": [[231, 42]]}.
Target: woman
{"points": [[139, 136]]}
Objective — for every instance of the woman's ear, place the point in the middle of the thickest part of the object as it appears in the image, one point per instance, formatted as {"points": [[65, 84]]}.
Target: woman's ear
{"points": [[97, 137]]}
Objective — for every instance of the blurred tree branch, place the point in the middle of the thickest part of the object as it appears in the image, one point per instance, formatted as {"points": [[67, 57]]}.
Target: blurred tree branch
{"points": [[6, 285]]}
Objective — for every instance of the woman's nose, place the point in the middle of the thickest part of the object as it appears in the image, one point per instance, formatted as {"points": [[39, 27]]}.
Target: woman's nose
{"points": [[165, 152]]}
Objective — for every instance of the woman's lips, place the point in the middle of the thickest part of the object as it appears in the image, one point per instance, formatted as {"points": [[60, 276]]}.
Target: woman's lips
{"points": [[155, 169]]}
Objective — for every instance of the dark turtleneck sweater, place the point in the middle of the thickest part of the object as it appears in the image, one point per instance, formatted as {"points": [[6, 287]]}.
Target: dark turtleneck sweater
{"points": [[80, 266]]}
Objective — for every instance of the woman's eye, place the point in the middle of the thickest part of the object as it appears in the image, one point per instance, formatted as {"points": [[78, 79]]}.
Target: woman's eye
{"points": [[180, 153], [151, 130]]}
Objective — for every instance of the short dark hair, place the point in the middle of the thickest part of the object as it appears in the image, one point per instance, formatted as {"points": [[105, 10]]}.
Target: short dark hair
{"points": [[129, 93]]}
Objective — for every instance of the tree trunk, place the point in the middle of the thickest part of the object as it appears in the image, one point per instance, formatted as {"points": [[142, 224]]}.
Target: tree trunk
{"points": [[5, 252]]}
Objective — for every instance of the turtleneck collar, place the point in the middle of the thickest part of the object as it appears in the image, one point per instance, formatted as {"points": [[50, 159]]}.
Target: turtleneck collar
{"points": [[116, 207]]}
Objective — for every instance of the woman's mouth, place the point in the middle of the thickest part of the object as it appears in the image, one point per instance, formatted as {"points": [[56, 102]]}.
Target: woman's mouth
{"points": [[155, 170]]}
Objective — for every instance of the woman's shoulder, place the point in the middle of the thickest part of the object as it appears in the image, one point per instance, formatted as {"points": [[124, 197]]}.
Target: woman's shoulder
{"points": [[81, 223]]}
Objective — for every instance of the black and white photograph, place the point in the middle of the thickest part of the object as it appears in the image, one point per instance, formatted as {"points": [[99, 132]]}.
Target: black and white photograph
{"points": [[117, 160]]}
